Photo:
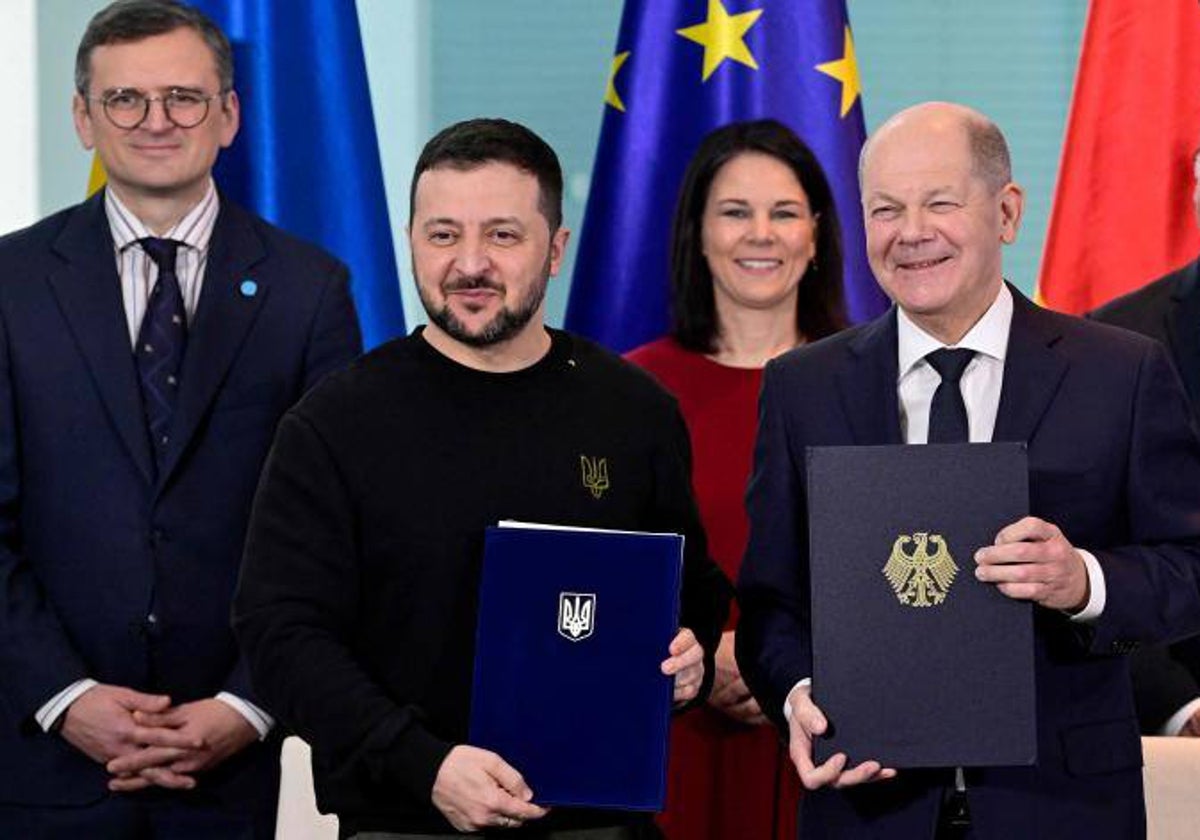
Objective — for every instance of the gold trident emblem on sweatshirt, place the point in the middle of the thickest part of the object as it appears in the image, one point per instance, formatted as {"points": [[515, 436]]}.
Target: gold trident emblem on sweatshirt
{"points": [[595, 474]]}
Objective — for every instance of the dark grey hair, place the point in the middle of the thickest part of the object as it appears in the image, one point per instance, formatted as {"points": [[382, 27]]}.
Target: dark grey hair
{"points": [[133, 20], [472, 143]]}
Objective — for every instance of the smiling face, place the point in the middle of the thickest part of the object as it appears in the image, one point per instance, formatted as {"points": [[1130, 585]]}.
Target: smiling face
{"points": [[758, 233], [157, 159], [934, 227], [482, 252]]}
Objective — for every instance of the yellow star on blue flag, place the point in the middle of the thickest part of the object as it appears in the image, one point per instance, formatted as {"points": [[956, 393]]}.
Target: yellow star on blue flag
{"points": [[845, 70], [610, 94], [723, 36]]}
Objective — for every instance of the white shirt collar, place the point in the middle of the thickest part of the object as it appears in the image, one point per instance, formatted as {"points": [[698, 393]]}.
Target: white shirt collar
{"points": [[194, 229], [989, 336]]}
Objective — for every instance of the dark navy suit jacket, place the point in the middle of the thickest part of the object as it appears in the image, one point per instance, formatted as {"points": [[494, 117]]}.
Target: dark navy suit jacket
{"points": [[105, 570], [1112, 462], [1167, 309]]}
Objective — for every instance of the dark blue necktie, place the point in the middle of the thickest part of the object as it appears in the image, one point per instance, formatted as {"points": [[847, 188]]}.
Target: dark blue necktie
{"points": [[947, 411], [161, 342]]}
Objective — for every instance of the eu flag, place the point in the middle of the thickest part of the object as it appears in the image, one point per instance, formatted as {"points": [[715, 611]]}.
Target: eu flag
{"points": [[306, 157], [681, 69]]}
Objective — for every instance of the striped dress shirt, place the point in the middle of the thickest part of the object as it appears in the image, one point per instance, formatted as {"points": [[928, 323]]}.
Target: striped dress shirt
{"points": [[138, 275]]}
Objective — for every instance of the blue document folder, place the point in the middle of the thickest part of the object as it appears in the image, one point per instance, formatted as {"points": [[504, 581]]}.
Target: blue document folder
{"points": [[916, 663], [573, 627]]}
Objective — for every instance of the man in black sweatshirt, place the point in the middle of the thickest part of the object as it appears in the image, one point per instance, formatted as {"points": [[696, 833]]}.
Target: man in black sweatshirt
{"points": [[357, 602]]}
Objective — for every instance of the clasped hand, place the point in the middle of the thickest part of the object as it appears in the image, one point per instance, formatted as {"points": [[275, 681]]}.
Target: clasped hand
{"points": [[144, 741], [730, 694]]}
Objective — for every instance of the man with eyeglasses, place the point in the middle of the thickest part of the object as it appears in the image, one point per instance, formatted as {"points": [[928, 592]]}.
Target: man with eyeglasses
{"points": [[150, 339]]}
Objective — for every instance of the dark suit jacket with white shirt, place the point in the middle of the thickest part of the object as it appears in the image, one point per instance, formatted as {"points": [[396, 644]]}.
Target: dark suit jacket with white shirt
{"points": [[1113, 463], [1168, 309], [107, 571]]}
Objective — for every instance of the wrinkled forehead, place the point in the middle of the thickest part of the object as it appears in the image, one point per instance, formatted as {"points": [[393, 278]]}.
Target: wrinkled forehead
{"points": [[904, 166], [176, 58], [472, 192]]}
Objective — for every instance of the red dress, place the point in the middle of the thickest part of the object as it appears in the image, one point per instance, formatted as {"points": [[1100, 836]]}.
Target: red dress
{"points": [[726, 780]]}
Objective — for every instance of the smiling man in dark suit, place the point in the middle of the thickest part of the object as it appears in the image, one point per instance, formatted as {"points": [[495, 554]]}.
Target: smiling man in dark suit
{"points": [[1166, 682], [150, 339], [1110, 555]]}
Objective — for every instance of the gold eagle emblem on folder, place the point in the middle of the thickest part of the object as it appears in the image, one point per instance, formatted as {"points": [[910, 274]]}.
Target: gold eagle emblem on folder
{"points": [[595, 474], [920, 575]]}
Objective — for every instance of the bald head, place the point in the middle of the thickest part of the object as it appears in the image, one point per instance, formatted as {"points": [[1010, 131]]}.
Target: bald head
{"points": [[939, 205], [990, 160]]}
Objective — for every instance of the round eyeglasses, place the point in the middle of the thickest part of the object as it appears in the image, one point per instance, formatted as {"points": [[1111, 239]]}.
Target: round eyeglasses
{"points": [[128, 108]]}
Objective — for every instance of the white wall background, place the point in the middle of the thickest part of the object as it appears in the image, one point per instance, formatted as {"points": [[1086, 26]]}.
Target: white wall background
{"points": [[19, 200]]}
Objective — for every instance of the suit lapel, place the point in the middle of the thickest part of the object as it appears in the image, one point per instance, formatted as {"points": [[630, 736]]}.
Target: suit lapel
{"points": [[223, 317], [867, 384], [1032, 371], [88, 291], [1183, 329]]}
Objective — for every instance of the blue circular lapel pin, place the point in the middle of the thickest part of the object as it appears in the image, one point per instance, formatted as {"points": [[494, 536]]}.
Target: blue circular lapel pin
{"points": [[248, 288]]}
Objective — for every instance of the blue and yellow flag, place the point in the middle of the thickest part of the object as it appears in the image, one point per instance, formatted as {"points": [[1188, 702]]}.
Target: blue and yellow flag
{"points": [[306, 157], [681, 69]]}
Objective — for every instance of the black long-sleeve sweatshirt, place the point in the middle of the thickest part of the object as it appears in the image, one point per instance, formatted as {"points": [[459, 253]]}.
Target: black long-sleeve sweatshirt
{"points": [[357, 601]]}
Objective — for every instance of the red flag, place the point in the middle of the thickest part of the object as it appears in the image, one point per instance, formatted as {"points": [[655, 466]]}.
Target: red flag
{"points": [[1122, 211]]}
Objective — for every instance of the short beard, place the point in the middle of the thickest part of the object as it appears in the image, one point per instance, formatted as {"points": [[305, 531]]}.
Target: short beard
{"points": [[507, 323]]}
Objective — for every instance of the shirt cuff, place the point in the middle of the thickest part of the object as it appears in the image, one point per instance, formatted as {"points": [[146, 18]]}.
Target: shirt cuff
{"points": [[1176, 722], [262, 722], [47, 716], [1096, 590], [787, 701]]}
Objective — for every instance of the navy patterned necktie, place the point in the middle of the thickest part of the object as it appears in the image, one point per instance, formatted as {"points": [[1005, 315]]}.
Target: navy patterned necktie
{"points": [[161, 342], [947, 411]]}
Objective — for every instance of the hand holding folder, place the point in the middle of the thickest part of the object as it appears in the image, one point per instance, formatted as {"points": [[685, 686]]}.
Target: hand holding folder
{"points": [[805, 721], [686, 665], [1030, 560], [1033, 561], [571, 686], [476, 790], [918, 660]]}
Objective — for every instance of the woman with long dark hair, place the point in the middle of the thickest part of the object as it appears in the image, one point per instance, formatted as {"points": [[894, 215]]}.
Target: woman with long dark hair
{"points": [[756, 269]]}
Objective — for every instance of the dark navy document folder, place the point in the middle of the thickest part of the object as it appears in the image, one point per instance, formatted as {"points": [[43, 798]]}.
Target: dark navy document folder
{"points": [[573, 627], [915, 662]]}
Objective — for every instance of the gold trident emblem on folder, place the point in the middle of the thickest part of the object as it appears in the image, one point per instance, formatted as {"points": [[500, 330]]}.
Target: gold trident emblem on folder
{"points": [[595, 474], [920, 577]]}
